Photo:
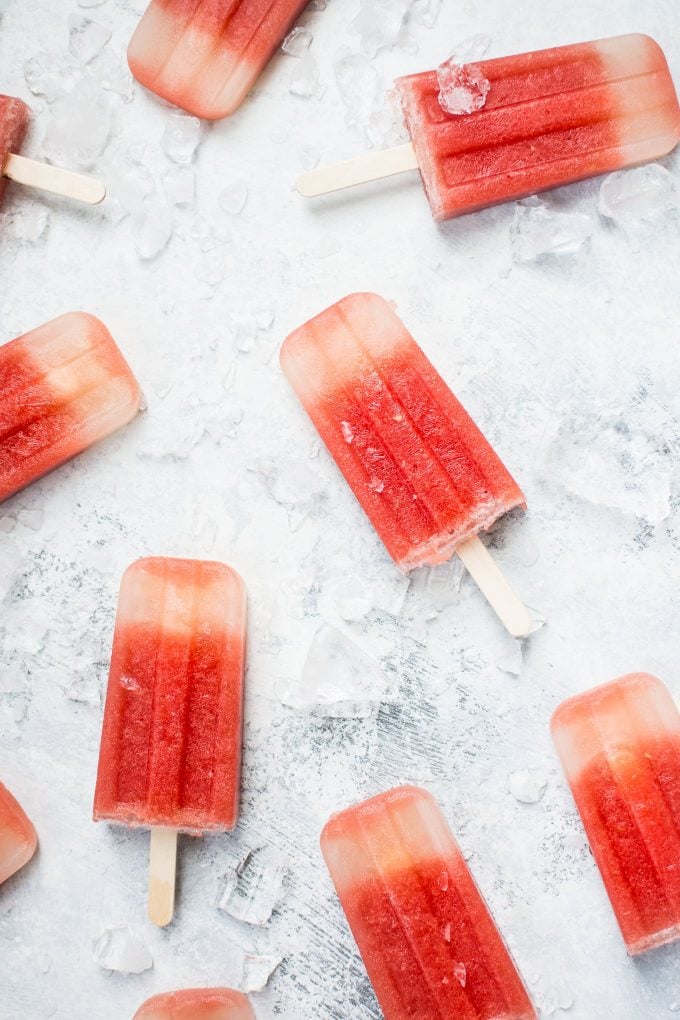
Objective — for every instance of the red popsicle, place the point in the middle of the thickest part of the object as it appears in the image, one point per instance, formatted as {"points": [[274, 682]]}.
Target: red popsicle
{"points": [[18, 840], [197, 1004], [426, 936]]}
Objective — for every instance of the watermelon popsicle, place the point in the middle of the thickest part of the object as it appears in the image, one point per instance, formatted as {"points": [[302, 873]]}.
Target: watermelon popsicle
{"points": [[170, 756], [63, 387], [426, 936], [620, 749], [419, 466], [18, 840], [550, 118], [14, 120], [197, 1004], [205, 55]]}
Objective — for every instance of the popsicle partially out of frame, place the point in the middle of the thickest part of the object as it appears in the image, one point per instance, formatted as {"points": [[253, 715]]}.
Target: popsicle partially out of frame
{"points": [[14, 118], [421, 469], [197, 1004], [550, 118], [18, 839]]}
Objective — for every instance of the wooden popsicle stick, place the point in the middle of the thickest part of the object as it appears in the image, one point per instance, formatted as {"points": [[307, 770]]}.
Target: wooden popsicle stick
{"points": [[371, 167], [512, 613], [162, 866], [54, 179]]}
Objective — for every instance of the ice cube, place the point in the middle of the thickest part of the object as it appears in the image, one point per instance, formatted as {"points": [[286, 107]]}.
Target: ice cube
{"points": [[644, 193], [180, 185], [252, 889], [152, 227], [25, 222], [527, 785], [233, 198], [86, 38], [297, 42], [338, 679], [121, 949], [379, 24], [553, 994], [257, 970], [426, 12], [305, 80], [511, 659], [129, 186], [113, 75], [181, 137], [49, 75], [386, 127], [463, 88], [538, 230], [78, 126], [360, 89]]}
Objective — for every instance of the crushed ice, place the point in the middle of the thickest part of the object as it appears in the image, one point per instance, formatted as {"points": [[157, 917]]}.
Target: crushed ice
{"points": [[539, 229], [644, 193], [257, 970], [119, 948]]}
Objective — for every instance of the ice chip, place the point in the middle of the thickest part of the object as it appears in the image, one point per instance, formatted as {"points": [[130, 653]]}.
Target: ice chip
{"points": [[233, 198], [252, 890], [112, 74], [152, 228], [297, 42], [385, 127], [26, 222], [426, 12], [181, 137], [86, 38], [538, 230], [49, 75], [460, 974], [462, 87], [78, 125], [644, 193], [305, 80], [360, 89], [511, 659], [257, 970], [379, 24], [121, 949], [471, 49], [527, 785], [180, 185], [553, 995]]}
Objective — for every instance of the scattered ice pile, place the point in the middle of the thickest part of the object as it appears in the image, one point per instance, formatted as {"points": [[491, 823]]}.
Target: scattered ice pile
{"points": [[257, 970], [252, 889], [121, 949], [539, 229], [338, 680], [644, 193], [527, 785]]}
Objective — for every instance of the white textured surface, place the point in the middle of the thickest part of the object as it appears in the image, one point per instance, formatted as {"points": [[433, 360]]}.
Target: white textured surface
{"points": [[571, 367]]}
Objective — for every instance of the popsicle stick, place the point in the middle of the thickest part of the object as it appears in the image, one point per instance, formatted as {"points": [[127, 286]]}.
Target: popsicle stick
{"points": [[512, 613], [54, 179], [371, 167], [162, 865]]}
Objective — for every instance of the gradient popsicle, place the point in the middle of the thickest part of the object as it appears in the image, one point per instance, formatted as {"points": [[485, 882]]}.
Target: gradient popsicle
{"points": [[18, 839], [551, 117], [419, 466], [63, 387], [427, 939], [170, 754], [205, 55], [620, 748], [197, 1004], [14, 117]]}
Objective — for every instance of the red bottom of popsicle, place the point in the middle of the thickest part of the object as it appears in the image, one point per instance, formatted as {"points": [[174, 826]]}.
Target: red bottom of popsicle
{"points": [[18, 840], [197, 1004]]}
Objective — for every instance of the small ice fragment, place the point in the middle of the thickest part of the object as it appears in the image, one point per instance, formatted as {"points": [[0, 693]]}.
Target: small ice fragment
{"points": [[644, 193], [86, 690], [181, 137], [538, 230], [675, 1006], [437, 588], [78, 125], [86, 38], [471, 49], [460, 974], [233, 198], [528, 785], [443, 881], [152, 228], [113, 75], [305, 80], [257, 970], [426, 12], [553, 994], [49, 75], [180, 185], [446, 931], [360, 89], [244, 330], [462, 87], [25, 222], [347, 431], [386, 127], [317, 5], [538, 620], [120, 948], [251, 891], [511, 659], [338, 680], [379, 24], [297, 42], [32, 518], [310, 157], [13, 564]]}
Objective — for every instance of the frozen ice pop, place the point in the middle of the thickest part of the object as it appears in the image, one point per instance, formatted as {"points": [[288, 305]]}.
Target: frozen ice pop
{"points": [[620, 749], [170, 754], [197, 1004], [18, 840], [550, 117], [14, 118], [205, 55], [419, 466], [63, 387], [426, 936]]}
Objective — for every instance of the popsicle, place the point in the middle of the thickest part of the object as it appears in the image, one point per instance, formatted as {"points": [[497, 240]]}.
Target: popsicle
{"points": [[550, 117], [18, 840], [419, 466], [63, 387], [426, 936], [170, 756], [14, 118], [620, 749], [205, 55], [197, 1004]]}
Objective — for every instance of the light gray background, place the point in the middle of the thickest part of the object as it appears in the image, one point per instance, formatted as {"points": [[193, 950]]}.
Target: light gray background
{"points": [[569, 365]]}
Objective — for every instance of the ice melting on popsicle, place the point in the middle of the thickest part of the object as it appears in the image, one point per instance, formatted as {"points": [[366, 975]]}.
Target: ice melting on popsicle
{"points": [[620, 749], [63, 387], [421, 469], [197, 1004], [426, 936], [170, 754], [205, 57], [18, 840], [550, 118]]}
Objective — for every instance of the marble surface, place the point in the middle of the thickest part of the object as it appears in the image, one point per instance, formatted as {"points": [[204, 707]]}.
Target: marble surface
{"points": [[569, 364]]}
